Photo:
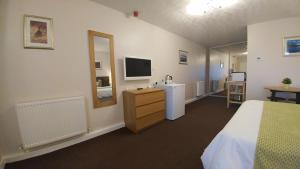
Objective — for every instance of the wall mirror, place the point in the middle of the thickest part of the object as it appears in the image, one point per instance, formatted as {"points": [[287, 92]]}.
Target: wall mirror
{"points": [[101, 48]]}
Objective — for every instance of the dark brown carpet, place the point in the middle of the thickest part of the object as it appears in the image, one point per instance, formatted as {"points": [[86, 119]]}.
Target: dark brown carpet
{"points": [[221, 94], [169, 145]]}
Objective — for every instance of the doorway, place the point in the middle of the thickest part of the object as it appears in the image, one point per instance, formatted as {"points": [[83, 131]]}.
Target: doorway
{"points": [[226, 60]]}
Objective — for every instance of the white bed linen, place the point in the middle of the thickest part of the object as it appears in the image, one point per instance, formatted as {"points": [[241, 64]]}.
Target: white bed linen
{"points": [[234, 146], [104, 92]]}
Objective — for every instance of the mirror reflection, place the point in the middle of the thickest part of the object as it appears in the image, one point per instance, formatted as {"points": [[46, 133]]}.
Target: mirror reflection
{"points": [[238, 63], [103, 68]]}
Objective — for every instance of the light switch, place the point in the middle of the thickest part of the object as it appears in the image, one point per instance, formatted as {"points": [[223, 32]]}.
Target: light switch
{"points": [[259, 58]]}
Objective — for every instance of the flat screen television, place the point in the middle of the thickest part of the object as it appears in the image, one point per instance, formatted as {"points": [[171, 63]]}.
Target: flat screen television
{"points": [[137, 68]]}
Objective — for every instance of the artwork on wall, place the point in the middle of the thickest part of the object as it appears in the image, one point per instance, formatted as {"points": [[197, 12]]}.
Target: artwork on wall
{"points": [[183, 57], [98, 65], [38, 32], [291, 46]]}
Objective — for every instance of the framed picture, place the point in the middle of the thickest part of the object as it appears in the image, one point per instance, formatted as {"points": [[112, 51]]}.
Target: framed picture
{"points": [[98, 65], [183, 57], [38, 32], [291, 46]]}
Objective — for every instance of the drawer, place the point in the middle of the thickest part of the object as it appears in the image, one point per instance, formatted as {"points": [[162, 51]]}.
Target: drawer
{"points": [[148, 98], [149, 120], [149, 109]]}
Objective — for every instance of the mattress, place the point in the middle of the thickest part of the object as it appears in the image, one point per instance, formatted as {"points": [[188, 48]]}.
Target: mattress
{"points": [[104, 92], [234, 146]]}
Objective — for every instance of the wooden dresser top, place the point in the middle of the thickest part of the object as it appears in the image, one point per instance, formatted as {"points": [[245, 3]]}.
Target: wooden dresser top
{"points": [[143, 91]]}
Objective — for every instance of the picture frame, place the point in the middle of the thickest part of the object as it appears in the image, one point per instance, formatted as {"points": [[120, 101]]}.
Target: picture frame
{"points": [[183, 57], [291, 46], [38, 32], [98, 65]]}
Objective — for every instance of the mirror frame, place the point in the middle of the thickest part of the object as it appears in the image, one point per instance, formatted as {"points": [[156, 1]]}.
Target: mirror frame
{"points": [[97, 102]]}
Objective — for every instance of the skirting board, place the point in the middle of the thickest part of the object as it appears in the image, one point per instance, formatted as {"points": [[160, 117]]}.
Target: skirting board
{"points": [[30, 154], [195, 99], [219, 90]]}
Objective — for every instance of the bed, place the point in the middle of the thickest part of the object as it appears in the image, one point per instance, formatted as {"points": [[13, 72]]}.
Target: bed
{"points": [[104, 88], [104, 92], [235, 145]]}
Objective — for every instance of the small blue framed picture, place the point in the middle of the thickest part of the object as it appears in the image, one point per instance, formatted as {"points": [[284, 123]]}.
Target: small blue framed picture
{"points": [[292, 46]]}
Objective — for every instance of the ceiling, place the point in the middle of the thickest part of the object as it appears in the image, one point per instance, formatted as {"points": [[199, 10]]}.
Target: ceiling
{"points": [[218, 27], [236, 49]]}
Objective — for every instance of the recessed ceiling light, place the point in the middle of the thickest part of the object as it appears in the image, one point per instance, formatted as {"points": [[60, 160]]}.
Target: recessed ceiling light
{"points": [[200, 7], [197, 7]]}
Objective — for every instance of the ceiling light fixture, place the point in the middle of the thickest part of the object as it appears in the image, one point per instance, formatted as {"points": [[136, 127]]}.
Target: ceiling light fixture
{"points": [[200, 7], [245, 53]]}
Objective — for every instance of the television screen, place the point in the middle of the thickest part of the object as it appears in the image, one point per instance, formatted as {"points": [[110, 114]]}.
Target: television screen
{"points": [[136, 67]]}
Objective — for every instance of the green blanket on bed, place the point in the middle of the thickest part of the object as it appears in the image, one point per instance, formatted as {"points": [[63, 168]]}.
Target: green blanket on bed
{"points": [[278, 144]]}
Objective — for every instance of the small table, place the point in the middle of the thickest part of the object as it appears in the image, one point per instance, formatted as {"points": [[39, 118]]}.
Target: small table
{"points": [[277, 89]]}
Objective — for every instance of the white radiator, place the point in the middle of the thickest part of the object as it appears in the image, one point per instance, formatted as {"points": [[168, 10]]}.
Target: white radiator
{"points": [[200, 88], [44, 122]]}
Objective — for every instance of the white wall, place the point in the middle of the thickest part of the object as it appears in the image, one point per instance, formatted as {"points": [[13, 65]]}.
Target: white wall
{"points": [[216, 72], [265, 40], [3, 93], [33, 74]]}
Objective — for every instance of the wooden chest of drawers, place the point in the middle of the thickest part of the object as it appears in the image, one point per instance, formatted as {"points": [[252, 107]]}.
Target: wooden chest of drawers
{"points": [[143, 108]]}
